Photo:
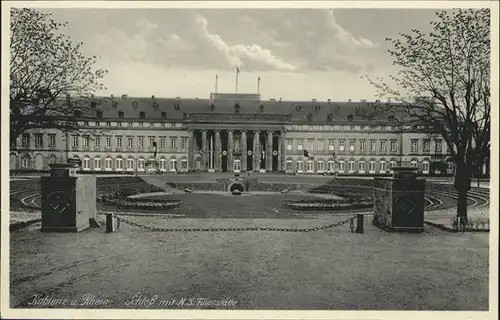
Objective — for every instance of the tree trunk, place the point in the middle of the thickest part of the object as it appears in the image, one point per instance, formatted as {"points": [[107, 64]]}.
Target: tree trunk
{"points": [[462, 184]]}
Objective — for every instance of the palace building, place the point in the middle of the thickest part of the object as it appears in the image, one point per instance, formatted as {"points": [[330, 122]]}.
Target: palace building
{"points": [[232, 133]]}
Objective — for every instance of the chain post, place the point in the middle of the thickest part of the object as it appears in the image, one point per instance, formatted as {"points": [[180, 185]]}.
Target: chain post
{"points": [[352, 225], [360, 228]]}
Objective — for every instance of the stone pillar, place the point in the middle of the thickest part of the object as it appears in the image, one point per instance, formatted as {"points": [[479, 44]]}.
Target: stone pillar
{"points": [[191, 150], [269, 152], [204, 150], [230, 147], [282, 153], [256, 152], [217, 155], [399, 201], [243, 151]]}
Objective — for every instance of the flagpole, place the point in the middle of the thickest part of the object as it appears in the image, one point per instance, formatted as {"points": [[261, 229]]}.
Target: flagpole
{"points": [[237, 76], [258, 85], [216, 79]]}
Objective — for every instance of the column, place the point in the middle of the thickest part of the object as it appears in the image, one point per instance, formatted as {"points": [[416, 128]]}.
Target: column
{"points": [[269, 152], [204, 150], [243, 151], [282, 153], [191, 150], [217, 151], [256, 153], [230, 147]]}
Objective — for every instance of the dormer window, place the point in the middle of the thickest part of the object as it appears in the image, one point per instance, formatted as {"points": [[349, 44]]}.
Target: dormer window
{"points": [[164, 115], [135, 104], [349, 117], [298, 107], [261, 108], [316, 108], [329, 117], [99, 114], [155, 104], [212, 107], [177, 106], [237, 108], [121, 114], [142, 115], [114, 104], [309, 117], [93, 104]]}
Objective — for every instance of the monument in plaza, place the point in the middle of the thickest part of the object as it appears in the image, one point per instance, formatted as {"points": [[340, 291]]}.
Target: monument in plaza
{"points": [[68, 199], [399, 201]]}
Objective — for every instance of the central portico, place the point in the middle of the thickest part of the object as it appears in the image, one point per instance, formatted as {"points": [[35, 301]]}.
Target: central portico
{"points": [[229, 146]]}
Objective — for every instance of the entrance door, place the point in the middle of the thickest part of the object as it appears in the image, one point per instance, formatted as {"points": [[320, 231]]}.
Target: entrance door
{"points": [[224, 161], [249, 160], [237, 165]]}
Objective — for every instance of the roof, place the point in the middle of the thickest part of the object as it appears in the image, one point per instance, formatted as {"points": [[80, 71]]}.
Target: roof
{"points": [[175, 108]]}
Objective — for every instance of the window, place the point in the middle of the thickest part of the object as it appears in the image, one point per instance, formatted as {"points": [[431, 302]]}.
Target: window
{"points": [[184, 165], [130, 164], [97, 124], [121, 114], [321, 145], [331, 145], [151, 124], [310, 166], [351, 128], [414, 145], [162, 142], [163, 164], [382, 166], [52, 140], [108, 124], [141, 124], [52, 159], [108, 162], [341, 145], [439, 145], [108, 142], [299, 145], [39, 140], [173, 143], [86, 141], [99, 115], [97, 142], [130, 142], [351, 166], [289, 167], [26, 161], [140, 164], [341, 166], [393, 146], [362, 145], [372, 166], [372, 146], [86, 163], [119, 142], [151, 142], [320, 166], [413, 163], [310, 145], [75, 141], [119, 164], [361, 127], [427, 145], [331, 165], [289, 144], [173, 164], [141, 142], [425, 166], [119, 124], [383, 146], [97, 163], [352, 145], [184, 143], [361, 166], [300, 166]]}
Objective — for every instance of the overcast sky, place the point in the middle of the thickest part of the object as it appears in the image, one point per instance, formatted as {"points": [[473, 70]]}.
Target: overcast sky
{"points": [[298, 53]]}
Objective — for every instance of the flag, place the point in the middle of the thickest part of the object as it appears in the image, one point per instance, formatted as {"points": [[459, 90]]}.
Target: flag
{"points": [[258, 78], [306, 154], [238, 69]]}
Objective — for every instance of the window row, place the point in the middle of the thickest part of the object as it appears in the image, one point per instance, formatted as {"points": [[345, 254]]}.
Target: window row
{"points": [[131, 164], [350, 166], [426, 145], [129, 142], [37, 139], [342, 145], [130, 124]]}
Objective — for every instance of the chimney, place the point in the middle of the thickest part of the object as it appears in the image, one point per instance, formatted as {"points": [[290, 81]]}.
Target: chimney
{"points": [[349, 100], [152, 97], [124, 96], [329, 100], [363, 100], [314, 100], [112, 96]]}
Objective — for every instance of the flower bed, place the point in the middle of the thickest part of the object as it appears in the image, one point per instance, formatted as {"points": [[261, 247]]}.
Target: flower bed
{"points": [[325, 206], [146, 204]]}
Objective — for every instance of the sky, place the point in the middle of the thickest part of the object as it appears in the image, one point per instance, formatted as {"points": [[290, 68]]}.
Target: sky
{"points": [[299, 54]]}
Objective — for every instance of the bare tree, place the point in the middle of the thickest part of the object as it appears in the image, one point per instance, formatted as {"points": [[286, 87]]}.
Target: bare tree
{"points": [[443, 82], [51, 81]]}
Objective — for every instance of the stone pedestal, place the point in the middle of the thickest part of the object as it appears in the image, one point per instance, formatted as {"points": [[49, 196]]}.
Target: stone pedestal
{"points": [[399, 201], [68, 199]]}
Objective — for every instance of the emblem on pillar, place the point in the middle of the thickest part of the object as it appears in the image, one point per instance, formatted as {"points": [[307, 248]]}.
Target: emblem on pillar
{"points": [[224, 153], [249, 152]]}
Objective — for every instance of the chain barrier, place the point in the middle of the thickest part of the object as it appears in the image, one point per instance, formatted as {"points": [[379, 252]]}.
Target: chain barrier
{"points": [[333, 225]]}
